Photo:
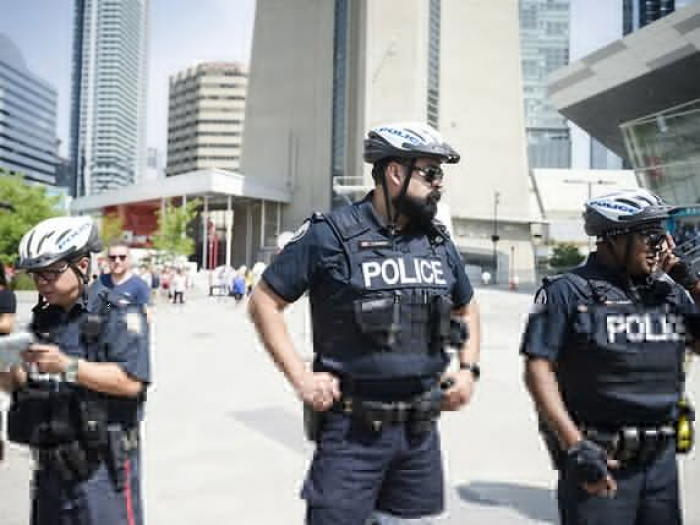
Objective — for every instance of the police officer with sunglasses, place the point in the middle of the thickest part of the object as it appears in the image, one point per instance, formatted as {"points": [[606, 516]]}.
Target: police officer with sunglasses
{"points": [[388, 295], [604, 351]]}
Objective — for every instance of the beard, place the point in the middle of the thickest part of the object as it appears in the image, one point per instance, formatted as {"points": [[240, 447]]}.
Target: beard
{"points": [[419, 211]]}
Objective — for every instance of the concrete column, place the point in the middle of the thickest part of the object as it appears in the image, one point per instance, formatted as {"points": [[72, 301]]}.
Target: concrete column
{"points": [[262, 224], [184, 203], [229, 228], [248, 233], [205, 232], [278, 224]]}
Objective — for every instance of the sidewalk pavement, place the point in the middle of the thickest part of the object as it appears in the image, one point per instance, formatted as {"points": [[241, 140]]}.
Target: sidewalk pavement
{"points": [[223, 440]]}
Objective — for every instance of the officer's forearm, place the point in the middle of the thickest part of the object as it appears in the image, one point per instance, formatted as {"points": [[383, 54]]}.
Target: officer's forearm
{"points": [[107, 378], [266, 311], [471, 350], [544, 389]]}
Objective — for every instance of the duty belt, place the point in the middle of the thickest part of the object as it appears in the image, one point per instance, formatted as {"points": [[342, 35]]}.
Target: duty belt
{"points": [[419, 411], [632, 445]]}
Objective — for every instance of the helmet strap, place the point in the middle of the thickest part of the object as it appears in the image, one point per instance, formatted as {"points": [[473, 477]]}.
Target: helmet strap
{"points": [[83, 278]]}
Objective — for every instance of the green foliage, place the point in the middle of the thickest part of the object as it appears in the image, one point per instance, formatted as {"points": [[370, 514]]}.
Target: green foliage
{"points": [[171, 238], [23, 281], [565, 255], [111, 228], [32, 205]]}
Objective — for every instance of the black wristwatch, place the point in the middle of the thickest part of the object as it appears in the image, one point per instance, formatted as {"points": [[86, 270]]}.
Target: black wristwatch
{"points": [[474, 368]]}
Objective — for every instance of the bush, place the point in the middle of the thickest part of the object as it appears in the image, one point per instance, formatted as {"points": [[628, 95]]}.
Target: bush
{"points": [[565, 255], [23, 281]]}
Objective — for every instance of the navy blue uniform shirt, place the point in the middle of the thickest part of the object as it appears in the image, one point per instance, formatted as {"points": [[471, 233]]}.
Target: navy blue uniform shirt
{"points": [[314, 260], [134, 288]]}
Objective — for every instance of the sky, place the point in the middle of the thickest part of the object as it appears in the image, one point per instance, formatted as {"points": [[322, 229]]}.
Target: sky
{"points": [[182, 34]]}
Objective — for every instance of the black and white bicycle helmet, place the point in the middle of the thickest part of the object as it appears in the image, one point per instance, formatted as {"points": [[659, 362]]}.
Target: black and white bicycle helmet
{"points": [[56, 239], [624, 211], [407, 140]]}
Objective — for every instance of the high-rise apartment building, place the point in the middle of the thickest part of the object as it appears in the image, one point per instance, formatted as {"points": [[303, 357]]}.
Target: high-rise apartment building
{"points": [[324, 72], [108, 117], [205, 117], [544, 47], [27, 119]]}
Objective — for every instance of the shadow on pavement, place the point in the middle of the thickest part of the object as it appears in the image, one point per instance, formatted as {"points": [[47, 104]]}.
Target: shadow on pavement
{"points": [[535, 503]]}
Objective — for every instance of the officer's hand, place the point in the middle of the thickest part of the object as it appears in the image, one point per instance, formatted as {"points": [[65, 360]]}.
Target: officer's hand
{"points": [[319, 390], [459, 389], [590, 465], [667, 258], [48, 358], [606, 487]]}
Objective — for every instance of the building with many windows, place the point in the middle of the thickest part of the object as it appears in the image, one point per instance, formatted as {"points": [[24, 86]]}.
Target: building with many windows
{"points": [[108, 114], [205, 118], [27, 119]]}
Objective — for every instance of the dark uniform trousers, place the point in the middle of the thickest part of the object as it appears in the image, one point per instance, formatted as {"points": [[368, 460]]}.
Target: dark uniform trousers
{"points": [[356, 470], [95, 501], [646, 495]]}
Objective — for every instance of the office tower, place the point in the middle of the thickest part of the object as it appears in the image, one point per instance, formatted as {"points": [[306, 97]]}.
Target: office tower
{"points": [[27, 119], [205, 117], [108, 114], [323, 73], [544, 44]]}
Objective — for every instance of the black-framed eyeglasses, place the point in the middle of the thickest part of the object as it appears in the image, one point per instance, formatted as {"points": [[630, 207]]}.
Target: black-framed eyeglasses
{"points": [[50, 274], [430, 174], [115, 257]]}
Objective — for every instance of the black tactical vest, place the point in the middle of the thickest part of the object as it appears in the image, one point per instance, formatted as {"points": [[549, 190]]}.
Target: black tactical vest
{"points": [[624, 365], [388, 316], [46, 413]]}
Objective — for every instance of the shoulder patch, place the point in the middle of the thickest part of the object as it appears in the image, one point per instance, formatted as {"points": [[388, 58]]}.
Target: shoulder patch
{"points": [[301, 231], [541, 296]]}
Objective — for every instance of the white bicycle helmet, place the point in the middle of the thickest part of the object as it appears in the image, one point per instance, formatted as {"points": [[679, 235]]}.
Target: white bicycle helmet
{"points": [[58, 239], [407, 140], [623, 211]]}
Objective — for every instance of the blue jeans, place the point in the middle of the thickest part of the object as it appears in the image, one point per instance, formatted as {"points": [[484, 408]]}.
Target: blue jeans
{"points": [[356, 470], [646, 495], [94, 501]]}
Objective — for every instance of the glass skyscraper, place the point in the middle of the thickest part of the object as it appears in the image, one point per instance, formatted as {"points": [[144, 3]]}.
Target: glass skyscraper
{"points": [[544, 45], [27, 119], [109, 93]]}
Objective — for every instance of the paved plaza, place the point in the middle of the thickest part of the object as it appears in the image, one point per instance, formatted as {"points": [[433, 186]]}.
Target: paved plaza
{"points": [[223, 439]]}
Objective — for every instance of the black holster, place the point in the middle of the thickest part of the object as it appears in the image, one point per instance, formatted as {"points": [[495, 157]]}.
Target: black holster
{"points": [[116, 456], [313, 420]]}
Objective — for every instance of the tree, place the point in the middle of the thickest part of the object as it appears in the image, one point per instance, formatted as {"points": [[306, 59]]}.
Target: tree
{"points": [[565, 255], [31, 206], [171, 237], [111, 228]]}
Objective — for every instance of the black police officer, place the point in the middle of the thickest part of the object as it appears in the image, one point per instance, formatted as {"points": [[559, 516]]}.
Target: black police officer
{"points": [[386, 285], [77, 399], [604, 355]]}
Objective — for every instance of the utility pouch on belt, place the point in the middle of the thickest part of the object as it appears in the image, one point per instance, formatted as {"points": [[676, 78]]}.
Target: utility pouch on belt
{"points": [[116, 456], [312, 423], [93, 422], [29, 408], [685, 427], [440, 322], [378, 318]]}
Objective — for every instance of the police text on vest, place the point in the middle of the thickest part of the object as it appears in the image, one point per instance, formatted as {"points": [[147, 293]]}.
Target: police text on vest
{"points": [[638, 328], [397, 271]]}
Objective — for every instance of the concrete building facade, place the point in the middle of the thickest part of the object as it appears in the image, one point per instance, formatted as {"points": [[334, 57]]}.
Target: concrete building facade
{"points": [[108, 114], [28, 139], [205, 117], [324, 72]]}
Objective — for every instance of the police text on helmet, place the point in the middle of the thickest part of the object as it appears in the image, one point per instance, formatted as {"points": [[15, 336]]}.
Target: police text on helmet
{"points": [[396, 271]]}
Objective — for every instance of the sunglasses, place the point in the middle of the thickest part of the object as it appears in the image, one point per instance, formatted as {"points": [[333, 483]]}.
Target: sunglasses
{"points": [[430, 174], [653, 239], [115, 257], [49, 275]]}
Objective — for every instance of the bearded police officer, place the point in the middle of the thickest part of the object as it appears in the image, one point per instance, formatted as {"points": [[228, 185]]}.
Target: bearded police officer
{"points": [[604, 355], [77, 399], [388, 293]]}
